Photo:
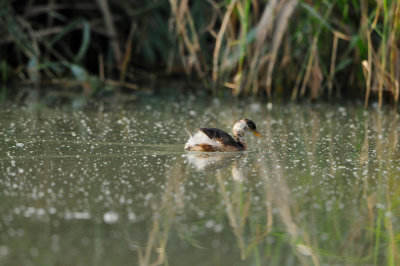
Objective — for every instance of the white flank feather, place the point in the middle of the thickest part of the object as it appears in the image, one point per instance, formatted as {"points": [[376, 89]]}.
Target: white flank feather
{"points": [[200, 138]]}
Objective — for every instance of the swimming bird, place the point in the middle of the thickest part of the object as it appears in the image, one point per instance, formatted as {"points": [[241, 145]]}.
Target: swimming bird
{"points": [[214, 139]]}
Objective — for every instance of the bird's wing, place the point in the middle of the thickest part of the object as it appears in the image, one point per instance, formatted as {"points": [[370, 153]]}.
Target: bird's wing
{"points": [[219, 135]]}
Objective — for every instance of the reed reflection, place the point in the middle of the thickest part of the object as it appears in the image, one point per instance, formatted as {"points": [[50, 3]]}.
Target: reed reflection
{"points": [[321, 188]]}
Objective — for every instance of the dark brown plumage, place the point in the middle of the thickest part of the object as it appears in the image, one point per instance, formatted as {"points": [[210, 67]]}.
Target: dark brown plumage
{"points": [[214, 139], [223, 137]]}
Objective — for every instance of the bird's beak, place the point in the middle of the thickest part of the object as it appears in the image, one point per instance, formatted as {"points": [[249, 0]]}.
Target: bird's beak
{"points": [[255, 132]]}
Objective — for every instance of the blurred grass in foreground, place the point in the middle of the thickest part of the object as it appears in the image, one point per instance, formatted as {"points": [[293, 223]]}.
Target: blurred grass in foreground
{"points": [[287, 49]]}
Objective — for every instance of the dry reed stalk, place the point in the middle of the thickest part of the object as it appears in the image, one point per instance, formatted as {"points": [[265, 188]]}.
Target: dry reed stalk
{"points": [[381, 76], [336, 36], [32, 11], [128, 52], [367, 64], [28, 6], [55, 30], [263, 28], [170, 62], [122, 84], [231, 85], [333, 63], [316, 79], [218, 42], [256, 8], [385, 73], [395, 53], [181, 18], [182, 9], [51, 6], [309, 65], [295, 91], [393, 76], [282, 21], [22, 34], [196, 58], [239, 41], [312, 66], [101, 67], [210, 26], [108, 21], [380, 72], [366, 67], [67, 83], [24, 37]]}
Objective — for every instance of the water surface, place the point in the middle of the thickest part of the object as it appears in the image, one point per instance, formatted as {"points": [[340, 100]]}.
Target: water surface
{"points": [[100, 185]]}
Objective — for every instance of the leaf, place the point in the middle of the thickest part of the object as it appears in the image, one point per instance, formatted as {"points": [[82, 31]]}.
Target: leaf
{"points": [[79, 72], [70, 27], [51, 65], [85, 41], [85, 37], [344, 63], [316, 15]]}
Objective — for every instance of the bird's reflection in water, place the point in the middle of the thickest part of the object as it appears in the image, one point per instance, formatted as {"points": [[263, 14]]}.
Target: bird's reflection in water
{"points": [[211, 161]]}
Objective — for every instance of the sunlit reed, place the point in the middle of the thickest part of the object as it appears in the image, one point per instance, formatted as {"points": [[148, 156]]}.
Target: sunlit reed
{"points": [[291, 49]]}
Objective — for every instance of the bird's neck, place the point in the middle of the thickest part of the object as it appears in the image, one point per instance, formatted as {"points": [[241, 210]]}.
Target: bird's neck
{"points": [[240, 138]]}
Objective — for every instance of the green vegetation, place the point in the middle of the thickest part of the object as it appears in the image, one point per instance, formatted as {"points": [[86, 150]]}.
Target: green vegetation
{"points": [[276, 49]]}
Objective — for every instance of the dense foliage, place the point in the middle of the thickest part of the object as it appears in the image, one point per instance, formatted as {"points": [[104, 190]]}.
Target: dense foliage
{"points": [[277, 49]]}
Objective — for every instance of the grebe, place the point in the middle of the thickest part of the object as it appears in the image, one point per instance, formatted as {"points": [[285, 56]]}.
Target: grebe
{"points": [[214, 139]]}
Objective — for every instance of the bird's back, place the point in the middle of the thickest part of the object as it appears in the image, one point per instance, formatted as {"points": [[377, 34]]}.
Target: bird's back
{"points": [[218, 140]]}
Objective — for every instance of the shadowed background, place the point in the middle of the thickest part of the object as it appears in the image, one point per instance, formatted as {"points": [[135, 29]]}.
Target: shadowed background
{"points": [[286, 49]]}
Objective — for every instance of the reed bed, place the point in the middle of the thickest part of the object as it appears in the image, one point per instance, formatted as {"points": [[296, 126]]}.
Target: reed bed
{"points": [[289, 49]]}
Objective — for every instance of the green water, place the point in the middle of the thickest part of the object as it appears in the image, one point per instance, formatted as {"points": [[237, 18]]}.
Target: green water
{"points": [[101, 185]]}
